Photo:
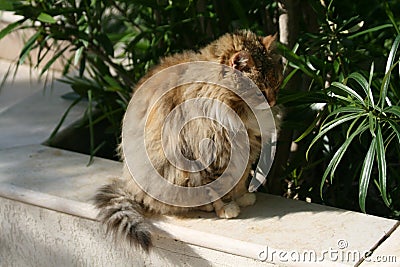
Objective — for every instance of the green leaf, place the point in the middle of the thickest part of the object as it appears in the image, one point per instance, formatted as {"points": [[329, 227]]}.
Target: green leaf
{"points": [[396, 129], [395, 110], [82, 65], [114, 85], [345, 99], [6, 5], [337, 157], [298, 62], [346, 109], [385, 85], [374, 29], [348, 90], [140, 36], [366, 174], [78, 55], [388, 70], [336, 65], [288, 77], [371, 75], [372, 123], [352, 125], [310, 127], [52, 60], [389, 13], [43, 46], [381, 165], [364, 85], [105, 42], [330, 125], [28, 47], [10, 28], [353, 28], [64, 116], [46, 18]]}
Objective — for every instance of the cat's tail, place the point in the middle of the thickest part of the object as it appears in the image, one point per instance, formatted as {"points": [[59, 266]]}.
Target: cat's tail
{"points": [[122, 216]]}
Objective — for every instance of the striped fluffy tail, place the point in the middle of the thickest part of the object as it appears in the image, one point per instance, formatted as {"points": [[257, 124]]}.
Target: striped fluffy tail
{"points": [[122, 216]]}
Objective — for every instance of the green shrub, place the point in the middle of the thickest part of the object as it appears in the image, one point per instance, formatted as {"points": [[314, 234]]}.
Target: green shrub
{"points": [[350, 140]]}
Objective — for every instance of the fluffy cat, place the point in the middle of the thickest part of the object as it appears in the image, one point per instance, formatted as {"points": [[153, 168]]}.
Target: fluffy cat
{"points": [[123, 204]]}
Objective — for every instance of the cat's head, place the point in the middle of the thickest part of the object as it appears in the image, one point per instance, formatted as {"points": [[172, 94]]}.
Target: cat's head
{"points": [[255, 57]]}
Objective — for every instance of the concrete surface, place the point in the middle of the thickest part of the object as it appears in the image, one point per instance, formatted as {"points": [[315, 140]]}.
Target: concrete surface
{"points": [[30, 110]]}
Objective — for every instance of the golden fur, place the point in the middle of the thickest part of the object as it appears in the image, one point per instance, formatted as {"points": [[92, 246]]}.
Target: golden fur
{"points": [[122, 203]]}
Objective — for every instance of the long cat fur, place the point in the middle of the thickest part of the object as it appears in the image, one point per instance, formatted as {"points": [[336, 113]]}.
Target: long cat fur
{"points": [[122, 204]]}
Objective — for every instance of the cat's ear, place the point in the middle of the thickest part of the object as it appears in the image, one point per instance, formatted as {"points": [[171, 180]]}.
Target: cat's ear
{"points": [[241, 60], [270, 42]]}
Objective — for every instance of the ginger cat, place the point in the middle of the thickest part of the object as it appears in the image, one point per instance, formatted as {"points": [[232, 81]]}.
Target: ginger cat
{"points": [[122, 204]]}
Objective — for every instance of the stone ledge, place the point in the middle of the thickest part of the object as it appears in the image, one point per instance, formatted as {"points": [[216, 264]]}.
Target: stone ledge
{"points": [[29, 111], [60, 180]]}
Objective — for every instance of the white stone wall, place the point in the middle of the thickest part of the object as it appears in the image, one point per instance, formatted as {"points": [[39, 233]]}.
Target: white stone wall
{"points": [[35, 236]]}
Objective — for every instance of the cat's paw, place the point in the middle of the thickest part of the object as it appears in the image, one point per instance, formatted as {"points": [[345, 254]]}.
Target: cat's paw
{"points": [[248, 199], [207, 208], [228, 211]]}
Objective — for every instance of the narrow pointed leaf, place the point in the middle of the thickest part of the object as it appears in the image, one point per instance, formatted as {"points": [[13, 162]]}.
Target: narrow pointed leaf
{"points": [[364, 85], [396, 129], [288, 77], [52, 60], [310, 127], [389, 64], [391, 16], [352, 125], [105, 42], [349, 91], [346, 109], [78, 55], [395, 110], [298, 62], [385, 85], [337, 157], [377, 28], [372, 123], [10, 28], [330, 126], [366, 174], [380, 152], [28, 47], [64, 116], [371, 75], [350, 101], [43, 17]]}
